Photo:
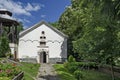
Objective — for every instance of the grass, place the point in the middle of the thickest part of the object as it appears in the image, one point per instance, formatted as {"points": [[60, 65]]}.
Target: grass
{"points": [[62, 72], [87, 74], [95, 75], [30, 70]]}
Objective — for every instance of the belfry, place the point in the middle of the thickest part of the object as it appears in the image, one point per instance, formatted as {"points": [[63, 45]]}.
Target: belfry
{"points": [[9, 25]]}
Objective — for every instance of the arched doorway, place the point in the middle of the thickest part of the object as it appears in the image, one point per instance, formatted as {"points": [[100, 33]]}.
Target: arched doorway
{"points": [[43, 57]]}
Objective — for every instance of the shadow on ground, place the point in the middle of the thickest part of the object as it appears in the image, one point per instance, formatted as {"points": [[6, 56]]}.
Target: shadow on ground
{"points": [[49, 77]]}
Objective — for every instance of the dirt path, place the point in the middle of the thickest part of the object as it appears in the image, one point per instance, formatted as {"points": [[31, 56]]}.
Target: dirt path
{"points": [[47, 72]]}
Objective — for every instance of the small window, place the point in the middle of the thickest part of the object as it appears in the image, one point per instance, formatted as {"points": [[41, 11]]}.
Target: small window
{"points": [[40, 37], [44, 37], [42, 43], [43, 32]]}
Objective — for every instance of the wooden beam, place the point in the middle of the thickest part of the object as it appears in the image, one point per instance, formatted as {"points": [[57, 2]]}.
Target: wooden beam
{"points": [[1, 29], [12, 31]]}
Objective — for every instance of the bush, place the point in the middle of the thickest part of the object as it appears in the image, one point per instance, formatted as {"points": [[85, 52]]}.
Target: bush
{"points": [[87, 65], [78, 74], [71, 64], [71, 59], [4, 78], [9, 70], [4, 46], [9, 55], [72, 67]]}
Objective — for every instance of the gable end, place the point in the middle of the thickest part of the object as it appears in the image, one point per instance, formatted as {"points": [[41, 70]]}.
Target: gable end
{"points": [[39, 24]]}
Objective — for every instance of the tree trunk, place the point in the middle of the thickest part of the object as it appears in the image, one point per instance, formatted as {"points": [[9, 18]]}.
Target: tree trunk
{"points": [[112, 72]]}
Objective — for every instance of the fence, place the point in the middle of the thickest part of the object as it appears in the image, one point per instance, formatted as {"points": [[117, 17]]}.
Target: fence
{"points": [[107, 69], [19, 76]]}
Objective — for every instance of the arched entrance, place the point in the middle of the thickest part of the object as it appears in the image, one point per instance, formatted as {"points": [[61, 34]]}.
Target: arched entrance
{"points": [[43, 57]]}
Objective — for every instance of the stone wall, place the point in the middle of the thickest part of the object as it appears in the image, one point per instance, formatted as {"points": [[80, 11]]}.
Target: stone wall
{"points": [[51, 60], [30, 60], [57, 60]]}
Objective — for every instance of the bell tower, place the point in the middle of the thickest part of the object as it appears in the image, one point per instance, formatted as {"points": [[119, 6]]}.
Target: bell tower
{"points": [[9, 25]]}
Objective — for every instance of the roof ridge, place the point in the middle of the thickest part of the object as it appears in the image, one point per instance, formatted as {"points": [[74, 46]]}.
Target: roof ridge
{"points": [[37, 25]]}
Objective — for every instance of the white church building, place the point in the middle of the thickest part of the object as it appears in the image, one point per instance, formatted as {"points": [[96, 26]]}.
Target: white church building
{"points": [[42, 43]]}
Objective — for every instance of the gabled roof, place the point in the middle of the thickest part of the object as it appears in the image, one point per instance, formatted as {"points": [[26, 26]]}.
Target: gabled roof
{"points": [[39, 24]]}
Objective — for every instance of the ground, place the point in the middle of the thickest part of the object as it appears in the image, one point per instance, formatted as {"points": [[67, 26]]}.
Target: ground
{"points": [[47, 72]]}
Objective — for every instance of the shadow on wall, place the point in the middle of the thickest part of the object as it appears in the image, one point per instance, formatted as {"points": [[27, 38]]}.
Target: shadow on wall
{"points": [[63, 53], [29, 60]]}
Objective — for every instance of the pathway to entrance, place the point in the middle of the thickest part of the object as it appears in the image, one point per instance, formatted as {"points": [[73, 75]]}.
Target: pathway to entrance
{"points": [[47, 72]]}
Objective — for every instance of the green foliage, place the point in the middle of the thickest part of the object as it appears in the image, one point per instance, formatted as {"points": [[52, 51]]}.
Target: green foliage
{"points": [[87, 65], [9, 55], [70, 64], [63, 73], [71, 59], [4, 46], [55, 24], [93, 27], [71, 67], [9, 70], [20, 27], [95, 75], [30, 69], [4, 78], [78, 75], [86, 74]]}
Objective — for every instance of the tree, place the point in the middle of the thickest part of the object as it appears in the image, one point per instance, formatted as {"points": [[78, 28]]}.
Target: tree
{"points": [[20, 27], [69, 23], [93, 29], [101, 28], [4, 46], [4, 41]]}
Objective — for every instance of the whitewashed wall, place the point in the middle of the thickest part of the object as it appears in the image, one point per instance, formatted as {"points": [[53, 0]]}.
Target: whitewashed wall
{"points": [[57, 44], [13, 47]]}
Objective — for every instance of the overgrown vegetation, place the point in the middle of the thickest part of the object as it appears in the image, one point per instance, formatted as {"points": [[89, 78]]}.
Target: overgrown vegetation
{"points": [[5, 39], [4, 46], [93, 27], [8, 71], [63, 73], [30, 70], [73, 70], [86, 74]]}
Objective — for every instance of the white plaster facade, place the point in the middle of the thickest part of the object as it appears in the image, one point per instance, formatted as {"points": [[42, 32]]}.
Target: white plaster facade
{"points": [[29, 44]]}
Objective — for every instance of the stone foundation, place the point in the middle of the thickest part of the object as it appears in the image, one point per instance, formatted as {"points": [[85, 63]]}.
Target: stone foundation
{"points": [[57, 60], [51, 60], [29, 60]]}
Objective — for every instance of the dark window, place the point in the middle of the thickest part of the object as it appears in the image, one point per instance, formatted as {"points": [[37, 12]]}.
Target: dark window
{"points": [[41, 37], [43, 32], [42, 43], [44, 37]]}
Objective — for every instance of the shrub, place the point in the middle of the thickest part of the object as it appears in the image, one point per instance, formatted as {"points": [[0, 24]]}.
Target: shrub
{"points": [[4, 78], [4, 46], [86, 65], [72, 67], [9, 70], [9, 55], [78, 74], [71, 59], [71, 64]]}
